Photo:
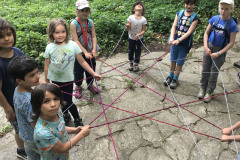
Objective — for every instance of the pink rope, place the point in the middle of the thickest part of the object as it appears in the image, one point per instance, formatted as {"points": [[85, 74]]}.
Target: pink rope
{"points": [[106, 116], [162, 95], [127, 88]]}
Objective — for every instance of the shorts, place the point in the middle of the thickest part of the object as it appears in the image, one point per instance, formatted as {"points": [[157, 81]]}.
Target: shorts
{"points": [[178, 54], [15, 126]]}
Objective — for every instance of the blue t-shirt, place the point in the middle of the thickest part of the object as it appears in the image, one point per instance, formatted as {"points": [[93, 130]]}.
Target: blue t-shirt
{"points": [[23, 110], [7, 83], [47, 134], [220, 35], [182, 29]]}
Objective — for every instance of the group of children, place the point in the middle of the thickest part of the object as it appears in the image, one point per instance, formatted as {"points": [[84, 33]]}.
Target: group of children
{"points": [[39, 115]]}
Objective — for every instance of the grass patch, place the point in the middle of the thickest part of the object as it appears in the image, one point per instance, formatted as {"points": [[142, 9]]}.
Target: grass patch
{"points": [[5, 129]]}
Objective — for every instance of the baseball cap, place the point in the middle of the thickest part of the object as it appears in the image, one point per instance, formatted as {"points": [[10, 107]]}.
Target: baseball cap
{"points": [[227, 1], [80, 4]]}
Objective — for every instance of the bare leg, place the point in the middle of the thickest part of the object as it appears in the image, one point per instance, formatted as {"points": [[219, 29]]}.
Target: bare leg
{"points": [[19, 141], [172, 67], [178, 70]]}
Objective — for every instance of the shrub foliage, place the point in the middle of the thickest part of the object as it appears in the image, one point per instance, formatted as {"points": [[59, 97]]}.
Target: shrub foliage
{"points": [[30, 18]]}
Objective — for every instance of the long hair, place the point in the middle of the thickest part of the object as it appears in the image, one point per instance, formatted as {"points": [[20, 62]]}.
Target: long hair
{"points": [[52, 26], [38, 94], [4, 25]]}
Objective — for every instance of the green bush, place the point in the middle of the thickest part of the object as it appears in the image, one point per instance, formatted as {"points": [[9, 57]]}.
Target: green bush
{"points": [[30, 17]]}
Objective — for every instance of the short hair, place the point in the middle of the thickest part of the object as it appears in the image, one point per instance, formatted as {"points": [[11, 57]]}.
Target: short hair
{"points": [[137, 3], [4, 25], [52, 26], [38, 94], [19, 66], [190, 2]]}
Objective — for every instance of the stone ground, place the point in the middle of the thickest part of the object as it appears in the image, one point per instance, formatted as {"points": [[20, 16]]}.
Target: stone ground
{"points": [[142, 138]]}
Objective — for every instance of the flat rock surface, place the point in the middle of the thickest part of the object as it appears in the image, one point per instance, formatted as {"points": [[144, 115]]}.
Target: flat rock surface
{"points": [[163, 134]]}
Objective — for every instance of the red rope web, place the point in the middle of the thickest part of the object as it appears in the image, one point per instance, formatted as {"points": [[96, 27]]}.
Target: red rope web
{"points": [[105, 107]]}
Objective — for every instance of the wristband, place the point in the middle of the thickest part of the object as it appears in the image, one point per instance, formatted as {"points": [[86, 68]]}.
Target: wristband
{"points": [[178, 40], [218, 53]]}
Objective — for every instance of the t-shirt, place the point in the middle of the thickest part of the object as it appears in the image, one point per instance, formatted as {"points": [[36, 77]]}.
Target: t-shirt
{"points": [[47, 134], [8, 85], [182, 29], [89, 46], [220, 35], [23, 110], [62, 60], [136, 26]]}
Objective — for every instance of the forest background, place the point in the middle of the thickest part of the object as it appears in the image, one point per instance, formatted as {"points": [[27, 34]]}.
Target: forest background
{"points": [[30, 18]]}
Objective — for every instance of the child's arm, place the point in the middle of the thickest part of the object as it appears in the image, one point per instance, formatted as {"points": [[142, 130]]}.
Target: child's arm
{"points": [[7, 108], [46, 65], [128, 26], [94, 41], [230, 138], [228, 46], [205, 39], [85, 65], [73, 30], [228, 131], [189, 32], [173, 30], [60, 147], [141, 33]]}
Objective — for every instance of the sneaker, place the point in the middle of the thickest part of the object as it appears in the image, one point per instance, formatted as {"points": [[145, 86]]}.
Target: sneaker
{"points": [[201, 93], [239, 76], [67, 117], [93, 89], [135, 67], [78, 122], [167, 81], [174, 84], [21, 154], [130, 66], [78, 92], [207, 97]]}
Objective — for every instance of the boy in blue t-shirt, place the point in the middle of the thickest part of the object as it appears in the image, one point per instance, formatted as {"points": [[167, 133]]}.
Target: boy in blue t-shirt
{"points": [[181, 39], [219, 37], [24, 72]]}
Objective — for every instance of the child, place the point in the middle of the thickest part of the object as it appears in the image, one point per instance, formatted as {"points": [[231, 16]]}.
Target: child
{"points": [[50, 133], [24, 72], [219, 37], [59, 63], [83, 33], [136, 27], [181, 39], [227, 133], [7, 53]]}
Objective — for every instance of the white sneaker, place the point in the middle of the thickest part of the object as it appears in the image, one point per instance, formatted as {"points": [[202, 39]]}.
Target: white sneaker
{"points": [[207, 97], [201, 93]]}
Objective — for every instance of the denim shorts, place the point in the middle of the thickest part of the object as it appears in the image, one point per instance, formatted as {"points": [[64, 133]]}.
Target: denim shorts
{"points": [[15, 126], [178, 54], [32, 151]]}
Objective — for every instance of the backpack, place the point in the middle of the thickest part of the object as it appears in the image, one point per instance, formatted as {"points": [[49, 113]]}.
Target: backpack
{"points": [[190, 23], [224, 29]]}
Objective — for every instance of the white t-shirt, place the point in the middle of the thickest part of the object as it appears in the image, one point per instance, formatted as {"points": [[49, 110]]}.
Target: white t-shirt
{"points": [[136, 26]]}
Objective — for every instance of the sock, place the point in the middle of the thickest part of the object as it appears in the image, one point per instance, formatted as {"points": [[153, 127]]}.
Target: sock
{"points": [[171, 75], [175, 77]]}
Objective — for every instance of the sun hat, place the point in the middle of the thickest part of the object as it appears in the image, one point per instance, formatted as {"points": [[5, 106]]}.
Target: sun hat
{"points": [[227, 1], [80, 4]]}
